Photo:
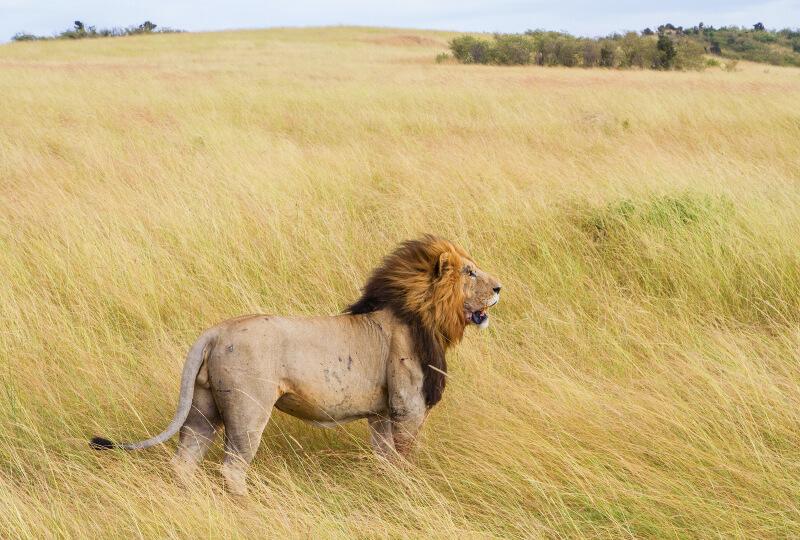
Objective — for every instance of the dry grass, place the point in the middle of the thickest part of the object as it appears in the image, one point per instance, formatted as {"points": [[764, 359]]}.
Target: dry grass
{"points": [[642, 374]]}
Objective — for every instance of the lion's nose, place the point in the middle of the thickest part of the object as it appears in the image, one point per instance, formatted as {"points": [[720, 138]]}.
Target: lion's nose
{"points": [[497, 289]]}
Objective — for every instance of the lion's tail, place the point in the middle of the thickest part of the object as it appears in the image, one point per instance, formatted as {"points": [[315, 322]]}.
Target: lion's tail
{"points": [[194, 360]]}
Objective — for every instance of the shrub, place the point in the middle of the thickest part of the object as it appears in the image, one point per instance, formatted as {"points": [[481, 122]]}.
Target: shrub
{"points": [[470, 50], [24, 36], [442, 57], [511, 49]]}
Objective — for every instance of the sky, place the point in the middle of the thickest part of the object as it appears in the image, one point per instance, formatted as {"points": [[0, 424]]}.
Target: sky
{"points": [[580, 17]]}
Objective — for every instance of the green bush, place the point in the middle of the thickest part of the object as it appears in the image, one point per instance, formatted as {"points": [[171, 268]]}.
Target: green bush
{"points": [[442, 58], [511, 49], [470, 50]]}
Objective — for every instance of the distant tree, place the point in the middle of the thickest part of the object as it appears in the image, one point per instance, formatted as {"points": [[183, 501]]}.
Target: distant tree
{"points": [[77, 31], [147, 26], [758, 27], [665, 58], [647, 32], [591, 53], [607, 53]]}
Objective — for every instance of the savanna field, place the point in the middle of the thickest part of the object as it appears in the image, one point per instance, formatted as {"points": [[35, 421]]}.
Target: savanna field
{"points": [[640, 376]]}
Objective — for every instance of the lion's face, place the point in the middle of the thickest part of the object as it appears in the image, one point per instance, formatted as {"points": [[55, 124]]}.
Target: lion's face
{"points": [[481, 291]]}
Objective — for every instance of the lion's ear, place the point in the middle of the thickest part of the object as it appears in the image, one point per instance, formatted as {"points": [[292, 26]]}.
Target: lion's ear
{"points": [[443, 264]]}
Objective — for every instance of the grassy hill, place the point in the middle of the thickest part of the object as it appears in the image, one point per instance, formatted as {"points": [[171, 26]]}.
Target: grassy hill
{"points": [[641, 376], [780, 47]]}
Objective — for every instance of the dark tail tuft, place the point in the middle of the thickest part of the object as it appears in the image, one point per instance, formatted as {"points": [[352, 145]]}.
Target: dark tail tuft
{"points": [[99, 443]]}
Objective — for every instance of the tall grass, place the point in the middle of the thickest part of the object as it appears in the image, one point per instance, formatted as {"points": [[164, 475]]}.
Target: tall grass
{"points": [[641, 377]]}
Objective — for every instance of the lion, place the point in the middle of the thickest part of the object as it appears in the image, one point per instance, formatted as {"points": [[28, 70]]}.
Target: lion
{"points": [[382, 360]]}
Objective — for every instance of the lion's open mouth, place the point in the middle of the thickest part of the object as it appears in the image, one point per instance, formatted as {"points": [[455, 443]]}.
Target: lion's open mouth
{"points": [[478, 317]]}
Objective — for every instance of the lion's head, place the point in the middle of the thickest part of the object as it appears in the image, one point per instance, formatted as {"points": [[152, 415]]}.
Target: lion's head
{"points": [[436, 288]]}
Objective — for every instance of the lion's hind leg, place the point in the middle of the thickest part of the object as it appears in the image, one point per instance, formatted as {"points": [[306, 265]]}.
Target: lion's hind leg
{"points": [[197, 434], [245, 412]]}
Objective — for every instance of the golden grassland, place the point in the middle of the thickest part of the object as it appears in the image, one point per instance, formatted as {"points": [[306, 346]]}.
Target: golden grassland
{"points": [[641, 376]]}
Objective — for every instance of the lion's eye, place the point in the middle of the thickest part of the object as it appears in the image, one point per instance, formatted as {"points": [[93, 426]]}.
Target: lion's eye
{"points": [[472, 274]]}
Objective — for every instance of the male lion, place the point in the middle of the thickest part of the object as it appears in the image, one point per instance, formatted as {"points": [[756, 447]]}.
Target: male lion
{"points": [[383, 360]]}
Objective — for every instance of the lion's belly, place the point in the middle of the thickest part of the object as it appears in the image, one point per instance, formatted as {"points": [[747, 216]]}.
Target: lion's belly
{"points": [[333, 386], [327, 370], [340, 410]]}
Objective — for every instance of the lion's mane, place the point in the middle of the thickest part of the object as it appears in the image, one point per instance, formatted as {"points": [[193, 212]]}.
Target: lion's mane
{"points": [[421, 283]]}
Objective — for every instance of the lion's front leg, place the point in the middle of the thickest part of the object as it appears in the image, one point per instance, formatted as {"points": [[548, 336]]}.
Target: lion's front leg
{"points": [[406, 402], [380, 436], [405, 427], [407, 408]]}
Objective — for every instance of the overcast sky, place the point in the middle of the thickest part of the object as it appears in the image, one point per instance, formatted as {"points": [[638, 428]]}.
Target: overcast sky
{"points": [[583, 17]]}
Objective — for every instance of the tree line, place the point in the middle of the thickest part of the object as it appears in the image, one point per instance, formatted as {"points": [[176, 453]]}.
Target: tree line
{"points": [[668, 47], [80, 30]]}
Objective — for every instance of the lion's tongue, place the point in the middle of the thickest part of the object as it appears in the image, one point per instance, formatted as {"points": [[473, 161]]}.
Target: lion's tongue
{"points": [[479, 316]]}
